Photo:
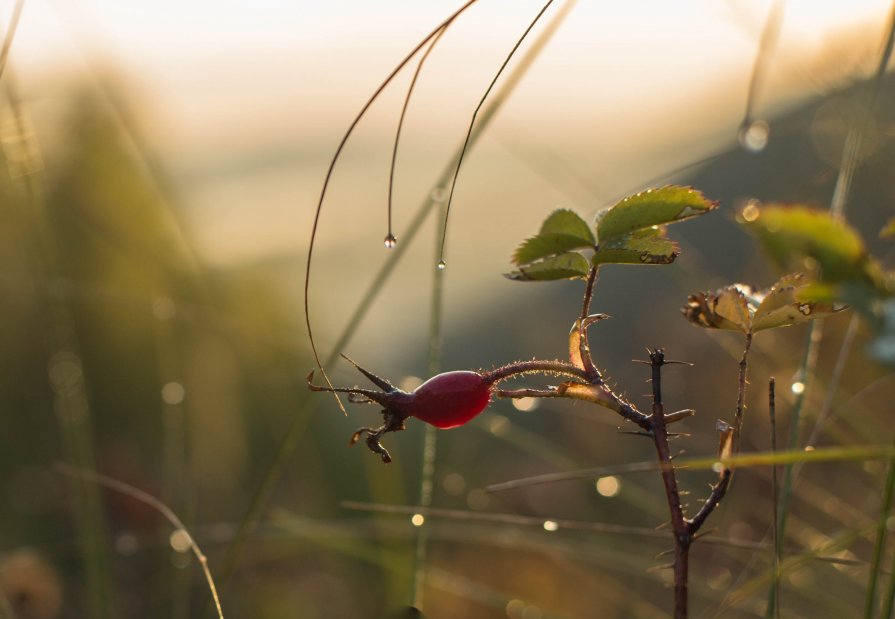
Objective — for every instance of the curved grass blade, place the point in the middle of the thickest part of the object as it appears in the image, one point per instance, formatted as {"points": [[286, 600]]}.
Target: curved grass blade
{"points": [[390, 239], [329, 173], [447, 211], [147, 499]]}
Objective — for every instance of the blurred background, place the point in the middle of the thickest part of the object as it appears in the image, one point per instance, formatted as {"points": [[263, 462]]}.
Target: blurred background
{"points": [[163, 162]]}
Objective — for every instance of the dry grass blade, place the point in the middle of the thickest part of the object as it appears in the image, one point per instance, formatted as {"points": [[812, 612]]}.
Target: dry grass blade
{"points": [[147, 499], [741, 460]]}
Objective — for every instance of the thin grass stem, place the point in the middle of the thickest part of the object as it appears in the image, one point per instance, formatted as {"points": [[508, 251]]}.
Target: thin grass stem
{"points": [[430, 438], [390, 239], [879, 546], [769, 36], [775, 495]]}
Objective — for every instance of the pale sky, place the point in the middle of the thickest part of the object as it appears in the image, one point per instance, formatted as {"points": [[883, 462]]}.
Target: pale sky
{"points": [[229, 85]]}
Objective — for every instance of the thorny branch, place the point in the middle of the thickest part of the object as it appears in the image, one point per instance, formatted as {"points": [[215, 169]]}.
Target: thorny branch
{"points": [[583, 381]]}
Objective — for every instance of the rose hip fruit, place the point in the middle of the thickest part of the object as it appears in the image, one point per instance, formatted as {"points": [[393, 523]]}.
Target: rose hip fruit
{"points": [[447, 400], [451, 399]]}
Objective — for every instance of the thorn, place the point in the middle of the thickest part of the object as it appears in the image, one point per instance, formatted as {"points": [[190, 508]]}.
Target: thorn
{"points": [[687, 363], [659, 568], [703, 534], [636, 433], [665, 553], [679, 415], [376, 380]]}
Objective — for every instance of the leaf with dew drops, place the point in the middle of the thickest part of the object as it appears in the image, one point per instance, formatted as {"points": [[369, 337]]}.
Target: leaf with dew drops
{"points": [[569, 265], [653, 207], [640, 247]]}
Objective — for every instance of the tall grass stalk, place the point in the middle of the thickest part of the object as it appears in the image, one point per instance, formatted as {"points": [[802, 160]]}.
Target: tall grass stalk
{"points": [[879, 546], [64, 368], [430, 438], [430, 441], [176, 478]]}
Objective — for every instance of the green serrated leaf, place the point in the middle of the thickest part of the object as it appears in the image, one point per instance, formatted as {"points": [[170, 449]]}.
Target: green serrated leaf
{"points": [[727, 309], [547, 244], [783, 307], [570, 265], [652, 207], [791, 234], [566, 222], [641, 247]]}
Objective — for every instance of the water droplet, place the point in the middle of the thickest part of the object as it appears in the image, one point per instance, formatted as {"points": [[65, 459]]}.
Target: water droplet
{"points": [[753, 135], [441, 265], [551, 525], [751, 211], [390, 241], [180, 541], [798, 387], [417, 520]]}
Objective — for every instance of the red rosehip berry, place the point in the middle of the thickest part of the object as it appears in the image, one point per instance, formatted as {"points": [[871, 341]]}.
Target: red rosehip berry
{"points": [[449, 400]]}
